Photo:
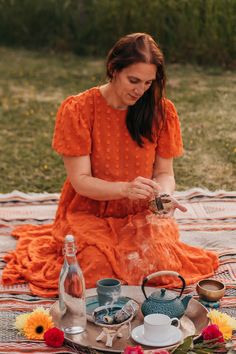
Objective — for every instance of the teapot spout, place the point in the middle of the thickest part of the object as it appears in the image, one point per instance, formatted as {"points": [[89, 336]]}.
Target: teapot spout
{"points": [[185, 300]]}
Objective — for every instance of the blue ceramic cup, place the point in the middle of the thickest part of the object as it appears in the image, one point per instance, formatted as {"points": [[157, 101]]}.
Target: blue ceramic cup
{"points": [[108, 291]]}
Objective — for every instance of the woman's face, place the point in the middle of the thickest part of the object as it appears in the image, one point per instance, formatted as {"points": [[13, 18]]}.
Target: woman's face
{"points": [[130, 83]]}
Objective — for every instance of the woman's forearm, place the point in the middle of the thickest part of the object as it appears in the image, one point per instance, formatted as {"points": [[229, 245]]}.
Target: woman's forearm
{"points": [[166, 182], [99, 189], [79, 173], [78, 170]]}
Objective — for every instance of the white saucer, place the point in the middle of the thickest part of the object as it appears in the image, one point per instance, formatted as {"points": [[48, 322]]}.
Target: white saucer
{"points": [[175, 337]]}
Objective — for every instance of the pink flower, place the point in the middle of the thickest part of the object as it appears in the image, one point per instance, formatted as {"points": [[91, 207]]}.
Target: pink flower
{"points": [[134, 350], [54, 337], [212, 332]]}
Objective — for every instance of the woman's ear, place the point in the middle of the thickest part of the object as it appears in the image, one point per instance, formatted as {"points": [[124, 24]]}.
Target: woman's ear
{"points": [[114, 75], [110, 70]]}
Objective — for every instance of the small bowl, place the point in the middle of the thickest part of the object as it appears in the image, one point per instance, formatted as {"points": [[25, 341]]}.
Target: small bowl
{"points": [[210, 289]]}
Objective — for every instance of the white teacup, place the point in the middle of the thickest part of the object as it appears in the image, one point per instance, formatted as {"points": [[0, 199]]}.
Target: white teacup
{"points": [[157, 327]]}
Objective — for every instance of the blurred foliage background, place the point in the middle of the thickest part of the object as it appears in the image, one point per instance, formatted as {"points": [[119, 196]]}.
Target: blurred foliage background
{"points": [[196, 31]]}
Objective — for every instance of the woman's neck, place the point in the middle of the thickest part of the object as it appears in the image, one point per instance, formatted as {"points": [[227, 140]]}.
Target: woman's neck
{"points": [[109, 93]]}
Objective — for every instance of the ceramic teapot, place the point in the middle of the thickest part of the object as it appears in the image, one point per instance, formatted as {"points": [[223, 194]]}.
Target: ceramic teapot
{"points": [[165, 301]]}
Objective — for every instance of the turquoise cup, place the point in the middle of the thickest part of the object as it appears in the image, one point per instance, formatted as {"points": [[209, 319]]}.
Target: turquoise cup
{"points": [[108, 291]]}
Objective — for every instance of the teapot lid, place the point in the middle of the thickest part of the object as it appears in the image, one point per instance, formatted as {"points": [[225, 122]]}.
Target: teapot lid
{"points": [[163, 295]]}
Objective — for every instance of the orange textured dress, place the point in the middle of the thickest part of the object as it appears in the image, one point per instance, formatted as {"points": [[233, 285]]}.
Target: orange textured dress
{"points": [[119, 238]]}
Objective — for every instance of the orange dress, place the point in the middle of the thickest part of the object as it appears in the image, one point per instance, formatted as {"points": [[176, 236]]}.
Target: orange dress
{"points": [[118, 238]]}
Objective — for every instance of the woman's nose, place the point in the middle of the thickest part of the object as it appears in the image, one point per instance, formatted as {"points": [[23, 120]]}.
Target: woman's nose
{"points": [[139, 90]]}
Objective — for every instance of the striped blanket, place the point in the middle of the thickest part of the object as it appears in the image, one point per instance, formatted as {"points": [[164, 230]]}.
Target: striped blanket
{"points": [[209, 223]]}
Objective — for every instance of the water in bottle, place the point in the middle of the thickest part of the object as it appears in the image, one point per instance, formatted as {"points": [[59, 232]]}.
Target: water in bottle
{"points": [[72, 301]]}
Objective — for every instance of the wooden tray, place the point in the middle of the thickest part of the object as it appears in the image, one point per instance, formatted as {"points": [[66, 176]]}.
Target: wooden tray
{"points": [[194, 320]]}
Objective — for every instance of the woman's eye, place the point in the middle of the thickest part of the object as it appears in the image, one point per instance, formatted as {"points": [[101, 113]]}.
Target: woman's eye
{"points": [[133, 81]]}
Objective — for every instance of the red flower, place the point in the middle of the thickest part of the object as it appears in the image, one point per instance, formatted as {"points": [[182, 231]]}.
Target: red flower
{"points": [[134, 350], [212, 332], [54, 337]]}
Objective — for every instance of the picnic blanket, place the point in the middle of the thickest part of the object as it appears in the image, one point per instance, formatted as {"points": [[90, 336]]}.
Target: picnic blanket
{"points": [[209, 223]]}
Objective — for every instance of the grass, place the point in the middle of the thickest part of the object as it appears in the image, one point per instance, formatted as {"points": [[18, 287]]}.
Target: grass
{"points": [[34, 83]]}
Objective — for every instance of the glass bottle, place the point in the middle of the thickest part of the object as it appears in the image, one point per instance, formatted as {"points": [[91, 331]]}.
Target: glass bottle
{"points": [[72, 301]]}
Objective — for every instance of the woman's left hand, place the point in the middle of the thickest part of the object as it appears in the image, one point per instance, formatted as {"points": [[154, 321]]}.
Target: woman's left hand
{"points": [[175, 205], [165, 205]]}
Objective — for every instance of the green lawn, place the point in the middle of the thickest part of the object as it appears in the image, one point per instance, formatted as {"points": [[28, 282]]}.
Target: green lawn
{"points": [[34, 83]]}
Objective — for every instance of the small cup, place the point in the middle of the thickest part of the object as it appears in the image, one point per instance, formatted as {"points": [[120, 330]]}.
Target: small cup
{"points": [[108, 291], [157, 327], [210, 289]]}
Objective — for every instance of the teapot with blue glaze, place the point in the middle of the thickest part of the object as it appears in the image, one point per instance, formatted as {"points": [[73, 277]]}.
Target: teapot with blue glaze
{"points": [[165, 301]]}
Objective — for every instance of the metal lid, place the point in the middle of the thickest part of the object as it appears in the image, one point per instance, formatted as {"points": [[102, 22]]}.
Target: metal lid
{"points": [[163, 295]]}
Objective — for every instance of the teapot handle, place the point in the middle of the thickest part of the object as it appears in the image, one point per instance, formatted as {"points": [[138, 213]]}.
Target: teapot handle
{"points": [[158, 274]]}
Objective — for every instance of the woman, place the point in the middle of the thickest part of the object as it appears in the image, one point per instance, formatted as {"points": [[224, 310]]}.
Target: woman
{"points": [[118, 142]]}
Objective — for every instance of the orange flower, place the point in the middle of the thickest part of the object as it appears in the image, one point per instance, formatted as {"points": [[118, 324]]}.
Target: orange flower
{"points": [[37, 324]]}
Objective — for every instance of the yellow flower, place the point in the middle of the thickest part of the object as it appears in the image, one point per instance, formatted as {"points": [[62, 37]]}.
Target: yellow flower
{"points": [[36, 324], [21, 320], [42, 309], [225, 322]]}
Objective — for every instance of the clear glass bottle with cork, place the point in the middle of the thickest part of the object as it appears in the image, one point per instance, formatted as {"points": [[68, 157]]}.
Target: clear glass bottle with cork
{"points": [[72, 302]]}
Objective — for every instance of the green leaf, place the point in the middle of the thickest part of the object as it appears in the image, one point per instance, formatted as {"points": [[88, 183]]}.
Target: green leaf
{"points": [[185, 346], [203, 351]]}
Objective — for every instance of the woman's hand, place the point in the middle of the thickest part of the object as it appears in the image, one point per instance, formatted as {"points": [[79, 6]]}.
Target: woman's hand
{"points": [[175, 205], [141, 188], [165, 205]]}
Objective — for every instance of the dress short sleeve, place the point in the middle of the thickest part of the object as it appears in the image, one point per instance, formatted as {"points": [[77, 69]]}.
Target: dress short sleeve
{"points": [[169, 142], [72, 134]]}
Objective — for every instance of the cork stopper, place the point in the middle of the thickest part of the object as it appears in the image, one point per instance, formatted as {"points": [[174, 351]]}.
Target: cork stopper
{"points": [[69, 238]]}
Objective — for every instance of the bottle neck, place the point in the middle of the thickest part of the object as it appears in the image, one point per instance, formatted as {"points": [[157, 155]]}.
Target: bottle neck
{"points": [[70, 252]]}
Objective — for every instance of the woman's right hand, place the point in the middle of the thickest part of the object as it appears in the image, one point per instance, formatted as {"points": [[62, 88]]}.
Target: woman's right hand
{"points": [[141, 188]]}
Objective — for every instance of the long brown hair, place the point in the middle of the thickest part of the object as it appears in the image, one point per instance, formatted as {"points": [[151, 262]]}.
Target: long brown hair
{"points": [[136, 48]]}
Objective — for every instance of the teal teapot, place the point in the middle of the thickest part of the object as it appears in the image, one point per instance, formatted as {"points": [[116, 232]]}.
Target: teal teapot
{"points": [[165, 301]]}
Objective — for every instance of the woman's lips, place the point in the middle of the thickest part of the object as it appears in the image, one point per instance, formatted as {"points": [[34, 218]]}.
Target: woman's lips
{"points": [[134, 98]]}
